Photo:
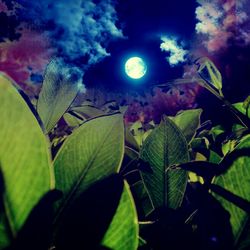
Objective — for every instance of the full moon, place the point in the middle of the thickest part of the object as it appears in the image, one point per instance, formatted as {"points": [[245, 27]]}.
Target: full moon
{"points": [[135, 67]]}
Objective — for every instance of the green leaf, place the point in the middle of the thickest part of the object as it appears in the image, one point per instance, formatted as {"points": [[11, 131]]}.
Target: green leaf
{"points": [[236, 180], [92, 152], [137, 131], [209, 72], [246, 103], [188, 121], [243, 107], [146, 134], [60, 87], [216, 131], [72, 120], [198, 144], [130, 140], [193, 177], [239, 106], [142, 197], [123, 232], [238, 128], [25, 162], [87, 111], [164, 147], [58, 140], [228, 146], [199, 157], [214, 157]]}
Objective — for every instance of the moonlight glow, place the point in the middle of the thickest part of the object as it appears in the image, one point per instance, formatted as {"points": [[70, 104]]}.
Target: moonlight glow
{"points": [[135, 67]]}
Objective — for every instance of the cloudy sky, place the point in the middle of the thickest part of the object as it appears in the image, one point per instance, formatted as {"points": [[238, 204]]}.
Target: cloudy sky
{"points": [[97, 36]]}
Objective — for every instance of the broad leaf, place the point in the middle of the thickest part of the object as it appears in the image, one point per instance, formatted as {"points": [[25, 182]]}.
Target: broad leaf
{"points": [[240, 107], [60, 87], [243, 107], [214, 157], [216, 131], [228, 146], [24, 158], [92, 152], [130, 140], [164, 147], [142, 198], [209, 72], [71, 120], [87, 220], [87, 111], [123, 232], [193, 177], [188, 121], [236, 180]]}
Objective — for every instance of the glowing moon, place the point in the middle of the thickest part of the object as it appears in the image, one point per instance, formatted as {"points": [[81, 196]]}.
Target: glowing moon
{"points": [[135, 67]]}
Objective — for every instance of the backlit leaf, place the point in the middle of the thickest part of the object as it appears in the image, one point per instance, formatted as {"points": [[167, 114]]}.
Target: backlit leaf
{"points": [[142, 197], [87, 111], [60, 87], [210, 73], [72, 120], [243, 107], [123, 232], [164, 147], [188, 121], [24, 158], [236, 180], [92, 152]]}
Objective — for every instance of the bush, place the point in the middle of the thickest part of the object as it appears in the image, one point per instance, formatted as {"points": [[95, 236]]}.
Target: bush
{"points": [[77, 177]]}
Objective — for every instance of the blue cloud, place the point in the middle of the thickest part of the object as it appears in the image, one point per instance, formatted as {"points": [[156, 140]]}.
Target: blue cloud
{"points": [[79, 29]]}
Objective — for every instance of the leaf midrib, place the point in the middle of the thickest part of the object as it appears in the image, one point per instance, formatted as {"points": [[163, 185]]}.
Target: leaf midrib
{"points": [[165, 164]]}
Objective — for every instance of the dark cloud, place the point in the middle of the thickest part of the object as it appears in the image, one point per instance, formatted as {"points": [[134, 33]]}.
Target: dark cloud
{"points": [[79, 29]]}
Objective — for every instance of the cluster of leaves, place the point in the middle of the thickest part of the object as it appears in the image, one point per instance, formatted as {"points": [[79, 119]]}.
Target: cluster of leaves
{"points": [[75, 177]]}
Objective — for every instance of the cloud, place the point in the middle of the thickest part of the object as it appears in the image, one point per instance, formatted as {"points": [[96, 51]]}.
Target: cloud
{"points": [[80, 30], [177, 53], [25, 59], [223, 23]]}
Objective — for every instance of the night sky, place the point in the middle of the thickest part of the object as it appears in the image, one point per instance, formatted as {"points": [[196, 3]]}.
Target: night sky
{"points": [[96, 37], [143, 25]]}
